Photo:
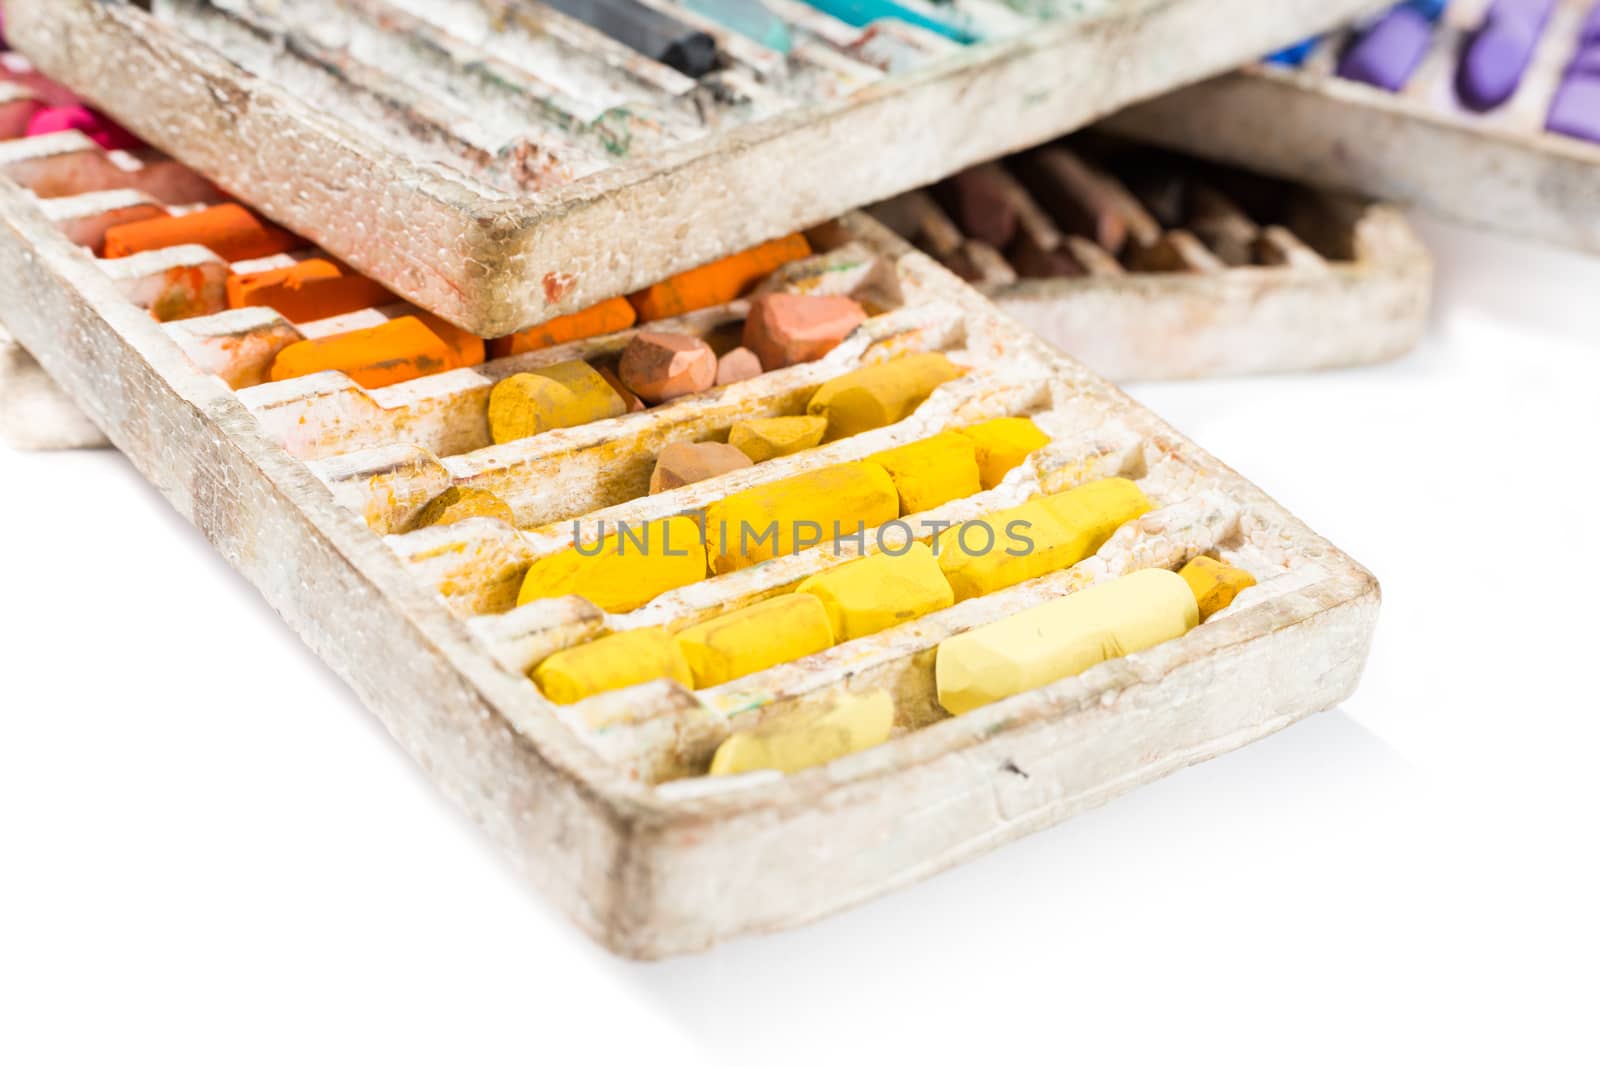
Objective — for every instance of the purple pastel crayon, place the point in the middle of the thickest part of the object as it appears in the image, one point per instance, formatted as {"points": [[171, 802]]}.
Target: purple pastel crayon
{"points": [[1575, 111], [1590, 34], [1498, 54], [1587, 61], [1388, 53]]}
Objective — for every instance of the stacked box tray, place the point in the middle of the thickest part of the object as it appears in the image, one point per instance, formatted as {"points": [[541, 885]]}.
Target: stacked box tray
{"points": [[309, 487], [1499, 171], [513, 165]]}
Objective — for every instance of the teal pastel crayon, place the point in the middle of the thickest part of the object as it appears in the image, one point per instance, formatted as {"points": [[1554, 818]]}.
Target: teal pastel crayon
{"points": [[864, 12], [748, 18]]}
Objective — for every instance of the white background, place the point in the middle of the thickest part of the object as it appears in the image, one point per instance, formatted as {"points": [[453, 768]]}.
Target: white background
{"points": [[211, 854]]}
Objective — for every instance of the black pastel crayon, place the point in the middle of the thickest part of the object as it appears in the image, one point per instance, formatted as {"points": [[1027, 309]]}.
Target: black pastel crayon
{"points": [[646, 31]]}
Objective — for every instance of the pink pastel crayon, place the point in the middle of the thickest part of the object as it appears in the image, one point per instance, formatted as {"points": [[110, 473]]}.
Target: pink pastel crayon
{"points": [[99, 129]]}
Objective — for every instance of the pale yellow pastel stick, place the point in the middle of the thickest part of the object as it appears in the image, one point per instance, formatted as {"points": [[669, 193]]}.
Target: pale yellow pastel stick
{"points": [[793, 743], [616, 661], [752, 639], [1215, 583], [872, 594], [1064, 637], [1044, 535], [624, 569]]}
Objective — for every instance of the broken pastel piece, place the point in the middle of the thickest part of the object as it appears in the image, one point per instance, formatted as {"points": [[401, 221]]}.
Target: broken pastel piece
{"points": [[738, 365], [1575, 112], [788, 328], [1389, 52], [979, 202], [662, 366], [1063, 637], [550, 398], [1498, 55], [793, 742], [1002, 444], [880, 395], [457, 504], [1296, 54], [688, 462], [1214, 583], [779, 435]]}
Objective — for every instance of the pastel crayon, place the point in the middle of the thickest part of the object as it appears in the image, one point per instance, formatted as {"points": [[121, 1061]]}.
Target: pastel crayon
{"points": [[882, 590], [551, 398], [97, 127], [780, 435], [1296, 54], [608, 316], [657, 367], [1389, 52], [647, 31], [1589, 32], [1001, 445], [738, 365], [1214, 583], [230, 230], [794, 742], [619, 569], [397, 351], [685, 463], [308, 291], [788, 328], [880, 395], [748, 18], [1586, 62], [616, 661], [931, 472], [777, 519], [1498, 55], [1575, 112], [865, 12], [717, 282], [1062, 638], [780, 630], [457, 504]]}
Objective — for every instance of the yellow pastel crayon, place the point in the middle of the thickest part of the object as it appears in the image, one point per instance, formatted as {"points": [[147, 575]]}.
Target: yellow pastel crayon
{"points": [[880, 395], [625, 568], [1214, 583], [1002, 444], [872, 594], [931, 472], [615, 661], [752, 639], [783, 517], [791, 743]]}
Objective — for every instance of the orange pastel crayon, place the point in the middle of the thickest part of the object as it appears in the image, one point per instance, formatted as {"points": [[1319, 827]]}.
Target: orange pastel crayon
{"points": [[308, 291], [717, 282], [608, 316], [397, 351], [230, 230]]}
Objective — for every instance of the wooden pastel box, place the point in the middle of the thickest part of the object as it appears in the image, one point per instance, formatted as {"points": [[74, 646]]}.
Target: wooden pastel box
{"points": [[1500, 170], [1147, 265], [515, 165], [310, 487]]}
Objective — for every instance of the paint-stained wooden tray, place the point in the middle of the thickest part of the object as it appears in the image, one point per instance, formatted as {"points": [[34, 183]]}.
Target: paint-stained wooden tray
{"points": [[517, 166], [1498, 171], [1146, 265], [306, 485]]}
